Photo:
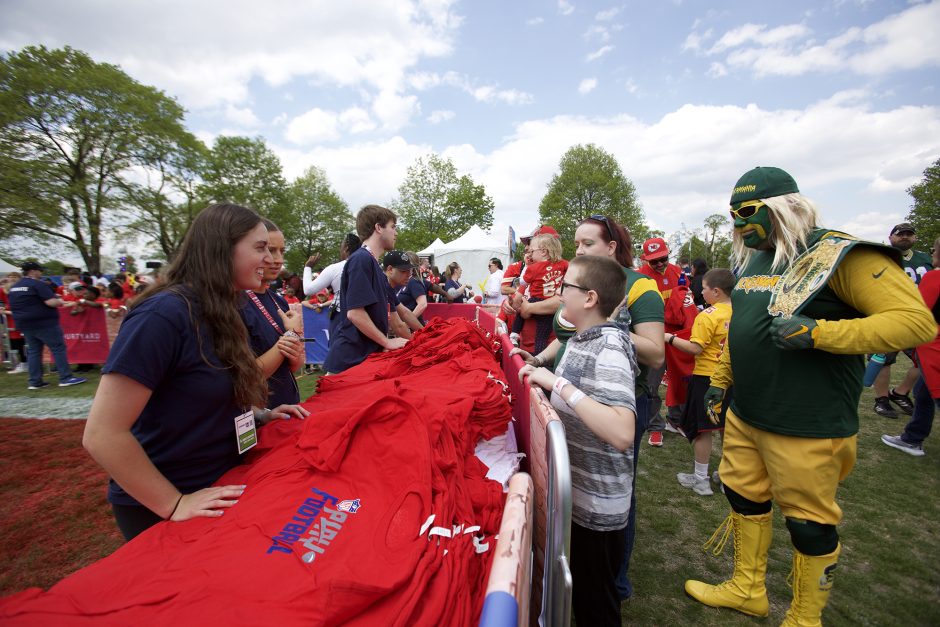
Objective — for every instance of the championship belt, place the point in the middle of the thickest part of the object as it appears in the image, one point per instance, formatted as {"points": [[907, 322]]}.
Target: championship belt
{"points": [[807, 276]]}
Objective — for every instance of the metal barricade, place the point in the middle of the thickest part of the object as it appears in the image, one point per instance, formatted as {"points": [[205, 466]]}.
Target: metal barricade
{"points": [[556, 602]]}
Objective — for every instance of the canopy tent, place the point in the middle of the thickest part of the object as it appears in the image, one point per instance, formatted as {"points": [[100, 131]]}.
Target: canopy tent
{"points": [[473, 251], [7, 268]]}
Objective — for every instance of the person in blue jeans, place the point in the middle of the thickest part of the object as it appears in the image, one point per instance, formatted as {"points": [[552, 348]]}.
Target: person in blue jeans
{"points": [[911, 440], [35, 306]]}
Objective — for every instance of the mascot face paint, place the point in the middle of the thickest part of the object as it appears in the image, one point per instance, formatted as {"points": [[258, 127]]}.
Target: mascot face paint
{"points": [[752, 222]]}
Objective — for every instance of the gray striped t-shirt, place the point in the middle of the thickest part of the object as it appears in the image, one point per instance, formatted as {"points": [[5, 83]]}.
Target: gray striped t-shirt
{"points": [[601, 362]]}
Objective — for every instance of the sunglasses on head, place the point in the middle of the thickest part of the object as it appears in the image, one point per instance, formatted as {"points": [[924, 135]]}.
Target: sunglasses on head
{"points": [[747, 209], [610, 230]]}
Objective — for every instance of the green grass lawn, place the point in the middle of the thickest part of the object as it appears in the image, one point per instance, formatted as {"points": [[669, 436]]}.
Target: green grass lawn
{"points": [[888, 572]]}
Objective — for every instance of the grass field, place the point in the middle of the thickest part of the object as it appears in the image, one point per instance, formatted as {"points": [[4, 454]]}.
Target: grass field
{"points": [[55, 519]]}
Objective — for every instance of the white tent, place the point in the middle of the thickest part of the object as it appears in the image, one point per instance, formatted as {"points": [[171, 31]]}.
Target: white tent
{"points": [[7, 268], [473, 251], [427, 252]]}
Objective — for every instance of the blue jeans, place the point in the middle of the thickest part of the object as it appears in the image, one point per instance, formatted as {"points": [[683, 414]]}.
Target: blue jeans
{"points": [[624, 587], [51, 337], [918, 428]]}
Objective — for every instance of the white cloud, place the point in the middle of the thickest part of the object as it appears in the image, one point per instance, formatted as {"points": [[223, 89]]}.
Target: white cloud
{"points": [[631, 86], [597, 54], [903, 41], [607, 14], [872, 225], [204, 60], [488, 93], [394, 109], [587, 85], [717, 70], [243, 117], [565, 7], [441, 115], [695, 40], [534, 21], [357, 120], [316, 125]]}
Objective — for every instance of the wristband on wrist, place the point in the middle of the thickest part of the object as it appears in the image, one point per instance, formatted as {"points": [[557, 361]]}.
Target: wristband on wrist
{"points": [[290, 333], [175, 507], [671, 339], [559, 383], [576, 397]]}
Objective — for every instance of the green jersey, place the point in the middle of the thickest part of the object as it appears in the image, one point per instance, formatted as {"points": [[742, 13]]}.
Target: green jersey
{"points": [[806, 393], [644, 304], [916, 264]]}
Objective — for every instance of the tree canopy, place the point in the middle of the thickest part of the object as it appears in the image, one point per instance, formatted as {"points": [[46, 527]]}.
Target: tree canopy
{"points": [[72, 133], [925, 212], [433, 201], [319, 219], [590, 182]]}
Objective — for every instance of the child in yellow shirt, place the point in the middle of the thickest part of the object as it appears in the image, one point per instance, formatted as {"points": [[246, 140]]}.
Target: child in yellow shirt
{"points": [[709, 333]]}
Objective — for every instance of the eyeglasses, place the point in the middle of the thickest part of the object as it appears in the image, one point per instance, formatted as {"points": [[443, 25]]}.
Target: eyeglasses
{"points": [[610, 230], [577, 287], [746, 210], [659, 262]]}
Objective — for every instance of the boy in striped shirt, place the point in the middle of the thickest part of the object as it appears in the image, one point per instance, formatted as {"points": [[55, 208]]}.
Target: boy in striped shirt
{"points": [[592, 391]]}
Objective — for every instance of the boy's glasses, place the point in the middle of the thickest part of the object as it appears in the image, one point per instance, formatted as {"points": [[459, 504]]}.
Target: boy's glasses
{"points": [[747, 210], [577, 287], [610, 230]]}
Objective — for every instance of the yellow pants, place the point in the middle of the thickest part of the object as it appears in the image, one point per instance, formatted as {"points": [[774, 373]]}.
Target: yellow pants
{"points": [[800, 474]]}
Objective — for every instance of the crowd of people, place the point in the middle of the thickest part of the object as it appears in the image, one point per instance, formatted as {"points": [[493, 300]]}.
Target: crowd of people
{"points": [[767, 354]]}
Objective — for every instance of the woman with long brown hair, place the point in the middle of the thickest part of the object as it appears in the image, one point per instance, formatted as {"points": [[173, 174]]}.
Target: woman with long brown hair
{"points": [[181, 379]]}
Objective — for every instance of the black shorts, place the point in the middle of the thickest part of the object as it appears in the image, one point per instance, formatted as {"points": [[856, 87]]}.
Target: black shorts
{"points": [[695, 418]]}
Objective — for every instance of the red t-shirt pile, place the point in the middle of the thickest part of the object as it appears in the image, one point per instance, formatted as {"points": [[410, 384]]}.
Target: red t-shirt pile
{"points": [[372, 511]]}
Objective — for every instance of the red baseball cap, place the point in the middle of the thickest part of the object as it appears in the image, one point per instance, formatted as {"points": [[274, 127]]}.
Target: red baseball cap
{"points": [[539, 230], [654, 248]]}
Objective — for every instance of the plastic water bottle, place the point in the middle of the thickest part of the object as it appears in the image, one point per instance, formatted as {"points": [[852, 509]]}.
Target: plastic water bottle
{"points": [[875, 364]]}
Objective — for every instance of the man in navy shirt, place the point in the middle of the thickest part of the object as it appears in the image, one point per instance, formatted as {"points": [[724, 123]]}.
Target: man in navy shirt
{"points": [[398, 269], [35, 306], [363, 324]]}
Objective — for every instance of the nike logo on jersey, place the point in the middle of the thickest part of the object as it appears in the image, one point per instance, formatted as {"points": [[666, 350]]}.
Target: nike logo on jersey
{"points": [[878, 276], [803, 329]]}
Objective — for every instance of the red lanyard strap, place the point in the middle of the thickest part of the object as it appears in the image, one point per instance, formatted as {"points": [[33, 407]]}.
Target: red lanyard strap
{"points": [[257, 301]]}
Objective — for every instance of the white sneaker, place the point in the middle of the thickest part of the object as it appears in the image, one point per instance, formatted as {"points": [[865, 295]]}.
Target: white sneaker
{"points": [[20, 368], [895, 441], [699, 486], [673, 429]]}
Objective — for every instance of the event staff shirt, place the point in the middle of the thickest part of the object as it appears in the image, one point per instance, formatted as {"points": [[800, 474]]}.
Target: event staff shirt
{"points": [[454, 285], [28, 302], [364, 286], [187, 427], [282, 388], [408, 295]]}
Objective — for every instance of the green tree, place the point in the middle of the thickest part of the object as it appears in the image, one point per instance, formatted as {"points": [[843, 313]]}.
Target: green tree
{"points": [[163, 205], [245, 171], [319, 220], [434, 202], [71, 130], [925, 212], [590, 182]]}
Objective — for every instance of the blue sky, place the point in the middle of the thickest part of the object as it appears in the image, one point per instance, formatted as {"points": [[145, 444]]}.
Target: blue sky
{"points": [[687, 95]]}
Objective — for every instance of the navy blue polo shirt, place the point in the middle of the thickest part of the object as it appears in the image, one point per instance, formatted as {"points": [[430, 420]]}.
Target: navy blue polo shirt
{"points": [[282, 387], [409, 294], [187, 427], [365, 286], [28, 303], [454, 285]]}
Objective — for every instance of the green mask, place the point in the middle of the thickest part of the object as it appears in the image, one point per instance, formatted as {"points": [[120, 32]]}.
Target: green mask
{"points": [[754, 227]]}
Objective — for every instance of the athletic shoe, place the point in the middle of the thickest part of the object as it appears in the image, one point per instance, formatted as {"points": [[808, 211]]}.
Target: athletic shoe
{"points": [[895, 441], [903, 401], [38, 386], [715, 478], [20, 368], [699, 486], [656, 438], [883, 407], [71, 381], [672, 429]]}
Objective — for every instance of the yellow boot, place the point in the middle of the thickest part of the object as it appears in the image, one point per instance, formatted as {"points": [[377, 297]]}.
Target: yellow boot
{"points": [[745, 590], [812, 581]]}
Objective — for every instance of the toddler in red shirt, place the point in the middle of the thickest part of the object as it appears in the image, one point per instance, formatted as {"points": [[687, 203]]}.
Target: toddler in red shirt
{"points": [[540, 280]]}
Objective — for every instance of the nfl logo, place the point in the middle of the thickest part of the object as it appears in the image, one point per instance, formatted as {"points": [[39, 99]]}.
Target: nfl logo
{"points": [[349, 505]]}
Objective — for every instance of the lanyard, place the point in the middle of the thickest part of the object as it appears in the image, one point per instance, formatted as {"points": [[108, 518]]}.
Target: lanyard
{"points": [[257, 301]]}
